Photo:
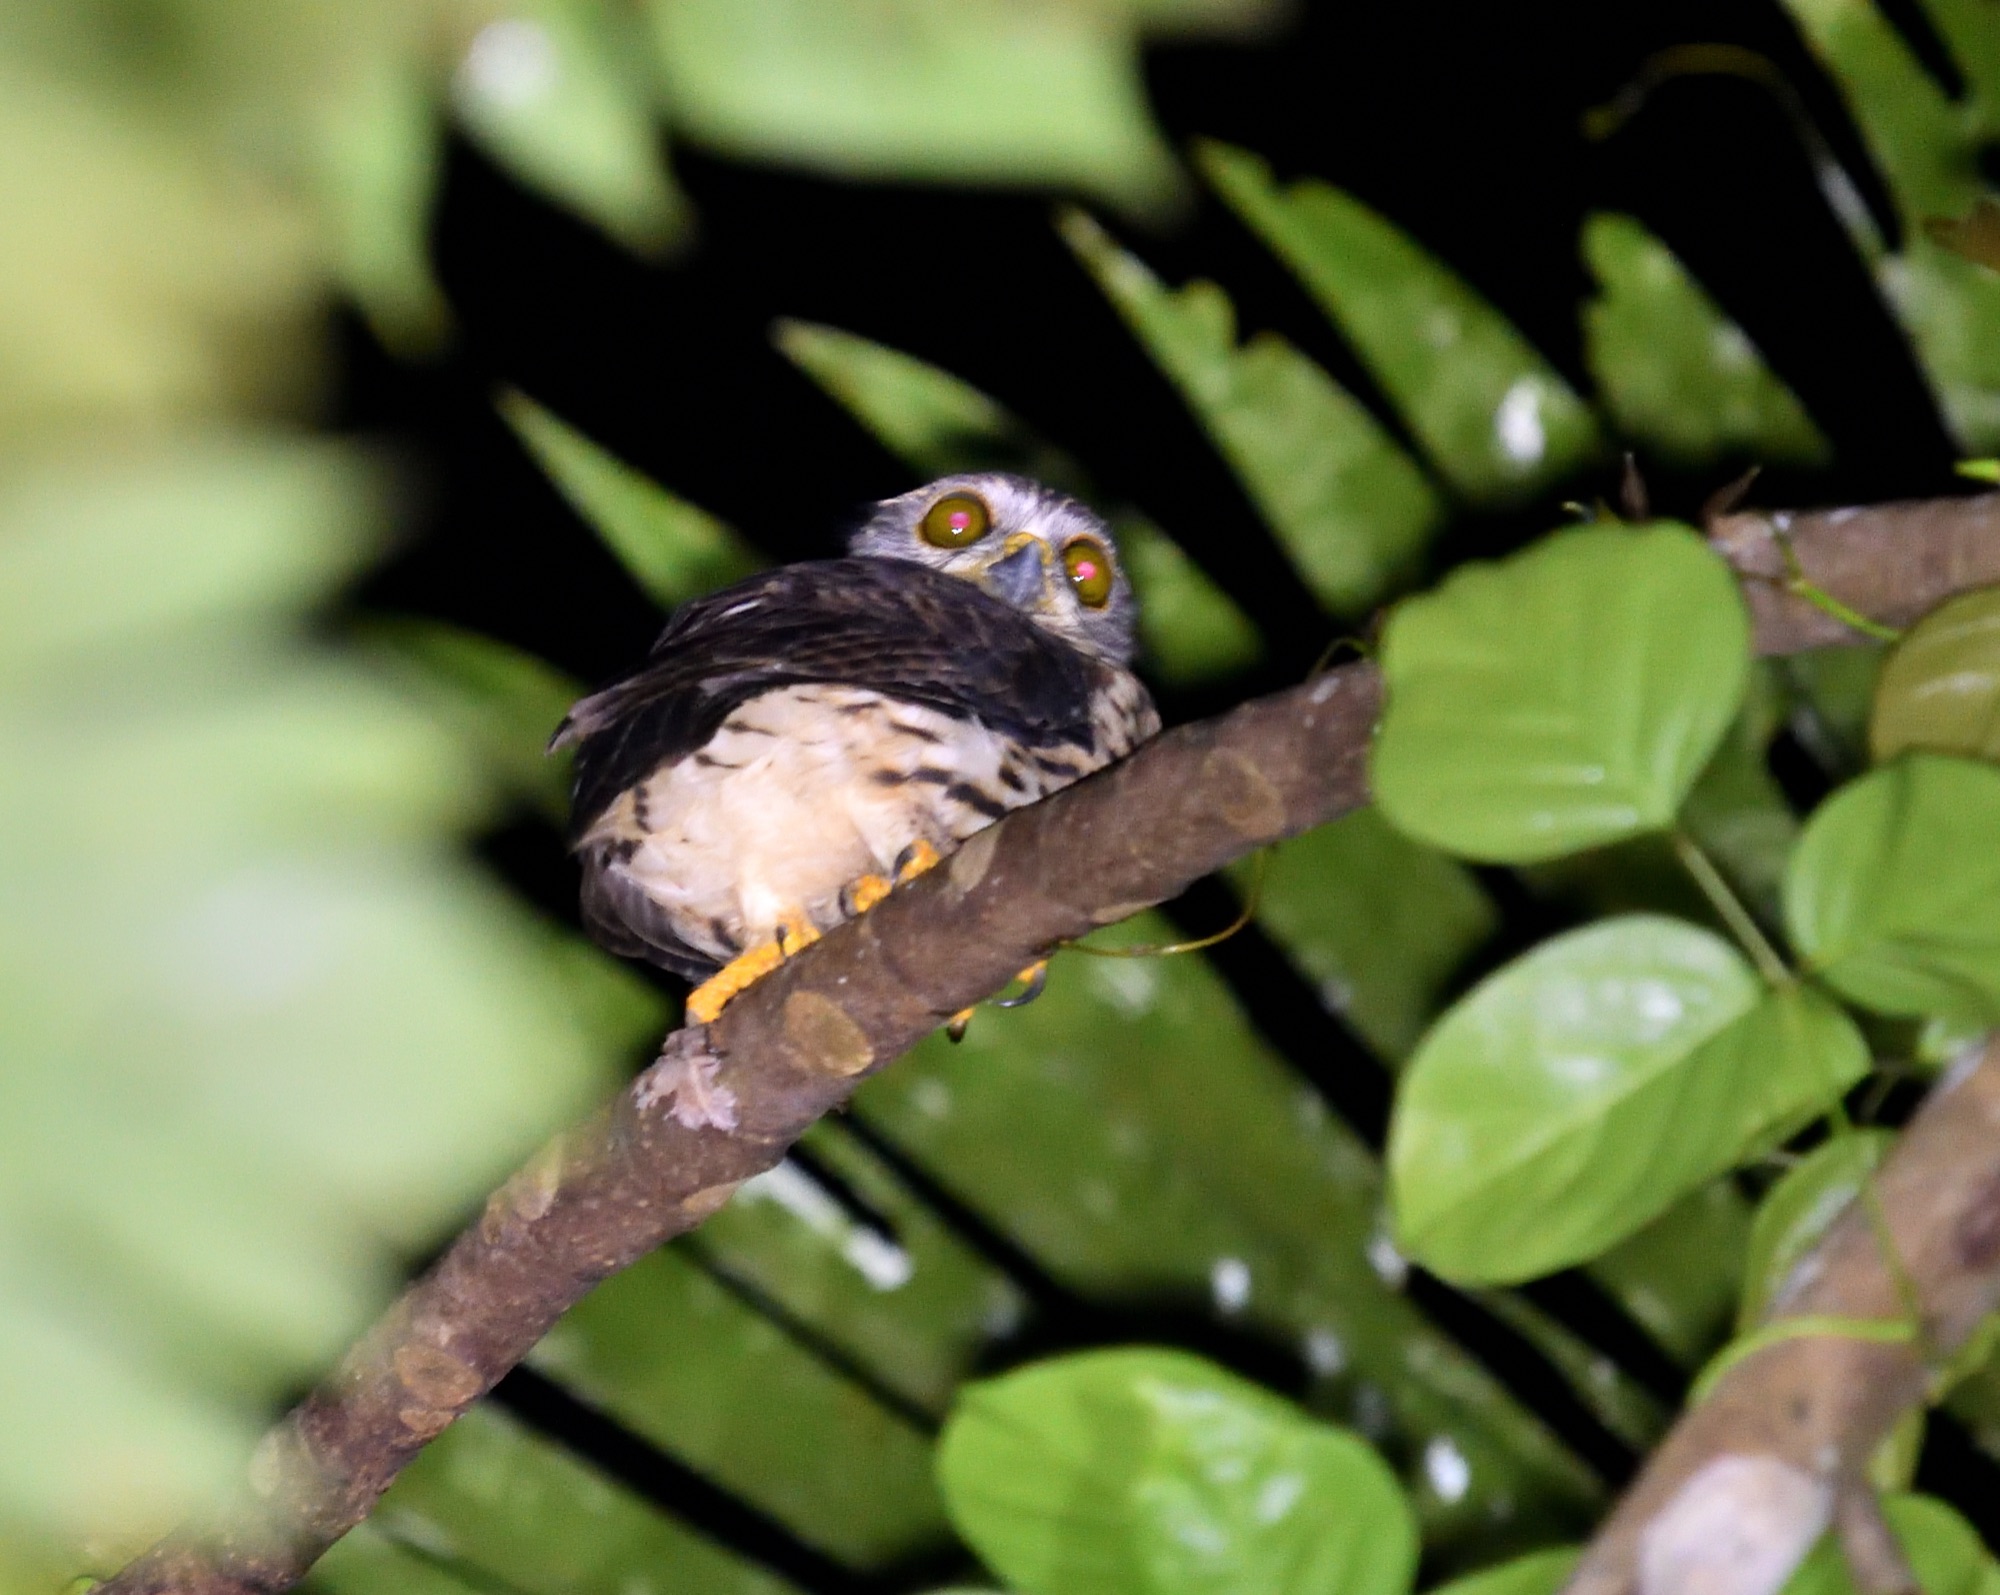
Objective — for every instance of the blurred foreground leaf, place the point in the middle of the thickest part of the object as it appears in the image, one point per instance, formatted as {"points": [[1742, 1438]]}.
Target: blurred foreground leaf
{"points": [[946, 90], [265, 1034], [557, 91]]}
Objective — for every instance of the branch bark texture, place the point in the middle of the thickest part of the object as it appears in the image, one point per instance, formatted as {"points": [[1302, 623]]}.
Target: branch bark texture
{"points": [[724, 1101], [1747, 1481]]}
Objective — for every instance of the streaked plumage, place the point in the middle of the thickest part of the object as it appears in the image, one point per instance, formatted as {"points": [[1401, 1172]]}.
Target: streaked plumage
{"points": [[806, 728]]}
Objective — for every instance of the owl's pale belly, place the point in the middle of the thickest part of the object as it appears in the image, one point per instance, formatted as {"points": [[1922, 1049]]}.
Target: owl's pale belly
{"points": [[806, 789]]}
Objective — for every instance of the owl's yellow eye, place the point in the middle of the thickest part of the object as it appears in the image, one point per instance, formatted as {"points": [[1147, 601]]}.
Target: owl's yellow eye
{"points": [[956, 521], [1089, 567]]}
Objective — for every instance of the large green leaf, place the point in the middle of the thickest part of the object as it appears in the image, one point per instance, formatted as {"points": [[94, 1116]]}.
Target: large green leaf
{"points": [[1944, 1550], [1562, 698], [1348, 505], [1495, 418], [1177, 1159], [1674, 373], [673, 549], [1378, 923], [1189, 629], [1537, 1573], [1581, 1090], [1940, 689], [1142, 1472], [556, 91], [1798, 1211], [1894, 892]]}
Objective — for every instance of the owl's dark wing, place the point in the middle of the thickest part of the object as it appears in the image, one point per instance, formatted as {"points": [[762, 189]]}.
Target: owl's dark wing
{"points": [[885, 624]]}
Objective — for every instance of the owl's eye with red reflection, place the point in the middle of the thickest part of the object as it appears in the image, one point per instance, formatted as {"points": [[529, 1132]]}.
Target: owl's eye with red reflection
{"points": [[957, 520], [1089, 566]]}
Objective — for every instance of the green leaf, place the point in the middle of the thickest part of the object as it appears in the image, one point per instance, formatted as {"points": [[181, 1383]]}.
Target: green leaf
{"points": [[1673, 372], [1894, 892], [1378, 923], [1563, 698], [1580, 1091], [1496, 419], [356, 1030], [503, 703], [1681, 1275], [1177, 1157], [1945, 1552], [1189, 629], [930, 419], [1926, 147], [1143, 1472], [961, 91], [1736, 812], [1347, 504], [1798, 1211], [1940, 689], [672, 549], [677, 1357], [1537, 1573], [504, 1510], [378, 150], [552, 90]]}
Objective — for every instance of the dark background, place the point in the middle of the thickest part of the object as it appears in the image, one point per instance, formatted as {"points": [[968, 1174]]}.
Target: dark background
{"points": [[1461, 122]]}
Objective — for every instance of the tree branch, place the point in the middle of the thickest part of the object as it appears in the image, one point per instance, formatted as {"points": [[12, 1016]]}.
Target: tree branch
{"points": [[1749, 1479], [723, 1102]]}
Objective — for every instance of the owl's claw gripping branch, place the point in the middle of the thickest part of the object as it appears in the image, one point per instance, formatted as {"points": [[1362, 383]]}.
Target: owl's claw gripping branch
{"points": [[726, 1099], [796, 933]]}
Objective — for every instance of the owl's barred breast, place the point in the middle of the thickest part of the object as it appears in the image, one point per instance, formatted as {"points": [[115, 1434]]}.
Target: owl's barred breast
{"points": [[805, 789]]}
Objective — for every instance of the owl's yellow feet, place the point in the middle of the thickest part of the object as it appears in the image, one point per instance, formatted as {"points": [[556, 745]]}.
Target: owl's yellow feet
{"points": [[864, 894], [706, 1001], [915, 859]]}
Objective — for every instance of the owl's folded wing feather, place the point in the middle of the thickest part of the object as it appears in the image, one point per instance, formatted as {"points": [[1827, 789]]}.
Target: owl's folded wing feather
{"points": [[889, 625]]}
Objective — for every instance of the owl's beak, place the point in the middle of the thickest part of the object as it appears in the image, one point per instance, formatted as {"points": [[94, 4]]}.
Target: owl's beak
{"points": [[1020, 578]]}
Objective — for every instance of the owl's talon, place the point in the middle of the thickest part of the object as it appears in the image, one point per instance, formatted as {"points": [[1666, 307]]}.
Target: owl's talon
{"points": [[860, 896], [1035, 977], [706, 1002], [955, 1027], [914, 860], [795, 934]]}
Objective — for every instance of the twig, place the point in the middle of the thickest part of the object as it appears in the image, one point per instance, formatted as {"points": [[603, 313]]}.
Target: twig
{"points": [[723, 1102]]}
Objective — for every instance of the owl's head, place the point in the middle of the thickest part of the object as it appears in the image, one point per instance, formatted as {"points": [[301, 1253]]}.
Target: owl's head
{"points": [[1029, 546]]}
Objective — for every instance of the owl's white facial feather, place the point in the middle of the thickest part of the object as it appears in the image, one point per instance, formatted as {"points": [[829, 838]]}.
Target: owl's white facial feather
{"points": [[1021, 510]]}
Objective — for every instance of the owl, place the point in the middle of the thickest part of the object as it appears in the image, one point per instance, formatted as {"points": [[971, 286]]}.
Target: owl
{"points": [[798, 743]]}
